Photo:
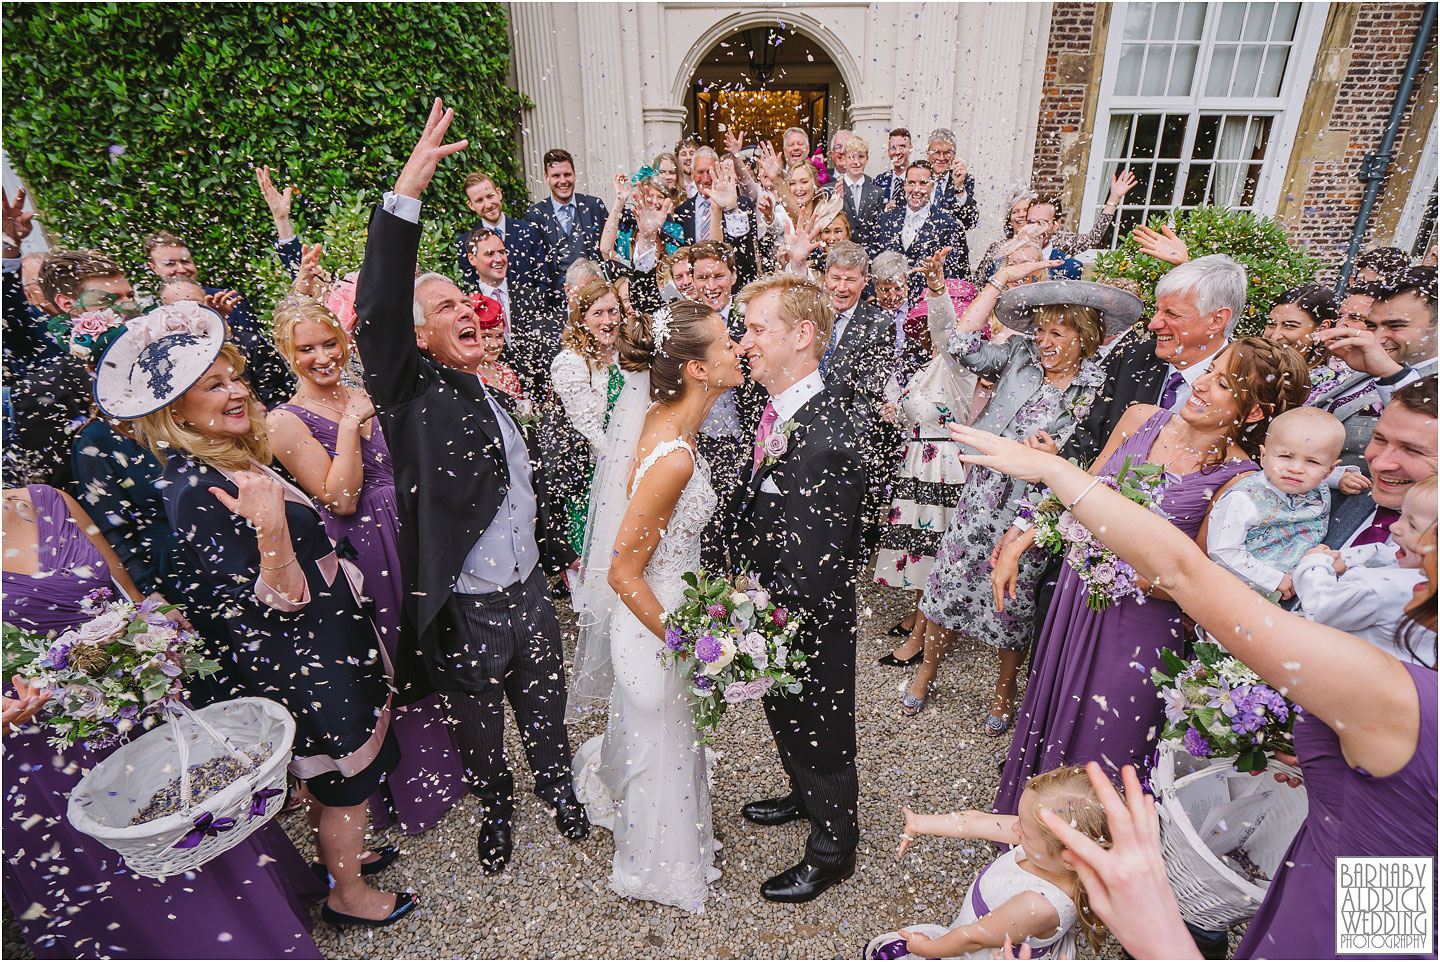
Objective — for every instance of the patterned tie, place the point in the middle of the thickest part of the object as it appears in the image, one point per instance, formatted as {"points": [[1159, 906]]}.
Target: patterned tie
{"points": [[567, 217], [767, 421], [702, 210], [1340, 402], [1172, 390], [1379, 530]]}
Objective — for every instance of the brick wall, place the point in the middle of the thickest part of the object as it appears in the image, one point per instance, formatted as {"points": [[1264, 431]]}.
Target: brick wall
{"points": [[1378, 49], [1062, 101]]}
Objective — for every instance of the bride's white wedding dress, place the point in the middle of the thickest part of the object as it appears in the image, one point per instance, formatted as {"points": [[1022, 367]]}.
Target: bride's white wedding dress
{"points": [[645, 779]]}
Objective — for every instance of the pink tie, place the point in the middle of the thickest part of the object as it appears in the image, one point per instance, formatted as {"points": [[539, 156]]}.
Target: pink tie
{"points": [[767, 421]]}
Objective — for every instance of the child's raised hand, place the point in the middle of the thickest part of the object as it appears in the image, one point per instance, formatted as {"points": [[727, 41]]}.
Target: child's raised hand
{"points": [[1354, 482]]}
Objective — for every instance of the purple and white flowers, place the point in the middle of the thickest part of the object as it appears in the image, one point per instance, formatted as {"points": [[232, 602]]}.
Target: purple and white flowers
{"points": [[1108, 578], [732, 645], [123, 667], [1216, 706]]}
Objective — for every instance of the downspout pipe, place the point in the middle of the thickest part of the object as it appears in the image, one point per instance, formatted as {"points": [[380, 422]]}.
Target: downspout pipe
{"points": [[1375, 165]]}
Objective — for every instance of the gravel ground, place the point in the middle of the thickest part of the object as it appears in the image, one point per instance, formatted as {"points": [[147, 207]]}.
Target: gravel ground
{"points": [[553, 900]]}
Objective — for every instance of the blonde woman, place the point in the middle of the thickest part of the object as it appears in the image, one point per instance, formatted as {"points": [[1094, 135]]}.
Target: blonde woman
{"points": [[327, 437], [260, 544]]}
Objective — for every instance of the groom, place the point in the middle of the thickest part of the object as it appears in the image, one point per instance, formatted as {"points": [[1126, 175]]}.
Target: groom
{"points": [[798, 525]]}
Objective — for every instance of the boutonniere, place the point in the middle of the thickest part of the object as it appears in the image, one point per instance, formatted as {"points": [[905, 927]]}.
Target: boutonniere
{"points": [[777, 443], [1080, 407]]}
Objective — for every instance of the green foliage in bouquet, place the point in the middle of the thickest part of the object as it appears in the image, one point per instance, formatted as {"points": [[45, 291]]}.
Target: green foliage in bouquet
{"points": [[1273, 262], [124, 118]]}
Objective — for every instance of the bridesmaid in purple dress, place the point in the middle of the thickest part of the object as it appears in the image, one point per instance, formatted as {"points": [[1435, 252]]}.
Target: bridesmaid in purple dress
{"points": [[71, 896], [1089, 694], [328, 439], [1365, 735]]}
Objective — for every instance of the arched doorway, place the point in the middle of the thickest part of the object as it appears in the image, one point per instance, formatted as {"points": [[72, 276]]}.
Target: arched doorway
{"points": [[763, 79]]}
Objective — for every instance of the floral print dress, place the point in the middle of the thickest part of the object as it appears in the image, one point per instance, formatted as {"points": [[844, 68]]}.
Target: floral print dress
{"points": [[957, 595]]}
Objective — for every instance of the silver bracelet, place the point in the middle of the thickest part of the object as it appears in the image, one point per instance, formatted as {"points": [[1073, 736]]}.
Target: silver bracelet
{"points": [[1071, 506]]}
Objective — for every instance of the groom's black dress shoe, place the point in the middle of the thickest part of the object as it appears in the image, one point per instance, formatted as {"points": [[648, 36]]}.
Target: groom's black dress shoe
{"points": [[775, 811], [495, 844], [570, 818], [805, 882]]}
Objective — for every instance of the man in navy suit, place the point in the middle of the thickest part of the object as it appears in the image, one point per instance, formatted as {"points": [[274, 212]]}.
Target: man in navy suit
{"points": [[532, 334], [524, 244], [919, 229], [570, 223], [892, 182], [864, 199], [954, 190]]}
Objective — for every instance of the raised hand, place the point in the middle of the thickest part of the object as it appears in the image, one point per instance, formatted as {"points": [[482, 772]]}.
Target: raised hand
{"points": [[800, 240], [769, 161], [222, 302], [1359, 348], [649, 219], [933, 270], [734, 143], [278, 201], [1120, 185], [359, 406], [310, 276], [1164, 246], [260, 500], [429, 150], [1002, 454], [766, 207], [1354, 482], [1010, 273], [622, 191], [724, 192], [16, 221]]}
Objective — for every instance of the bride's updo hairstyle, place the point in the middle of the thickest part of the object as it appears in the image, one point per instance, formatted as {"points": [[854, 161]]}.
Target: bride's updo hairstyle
{"points": [[686, 335]]}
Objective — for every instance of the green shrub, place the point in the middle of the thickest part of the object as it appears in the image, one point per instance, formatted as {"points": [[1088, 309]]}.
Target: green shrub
{"points": [[1273, 262], [125, 118]]}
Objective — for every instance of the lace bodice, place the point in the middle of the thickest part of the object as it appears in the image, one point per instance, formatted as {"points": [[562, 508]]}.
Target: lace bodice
{"points": [[679, 547]]}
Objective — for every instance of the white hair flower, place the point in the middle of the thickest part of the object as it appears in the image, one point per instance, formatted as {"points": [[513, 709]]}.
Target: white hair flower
{"points": [[660, 323]]}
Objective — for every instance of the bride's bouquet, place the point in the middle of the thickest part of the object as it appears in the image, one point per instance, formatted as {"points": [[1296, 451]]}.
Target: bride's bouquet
{"points": [[122, 668], [1107, 578], [1217, 707], [731, 645]]}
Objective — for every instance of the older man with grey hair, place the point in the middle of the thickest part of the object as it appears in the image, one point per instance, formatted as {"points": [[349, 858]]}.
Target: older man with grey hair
{"points": [[1197, 306], [720, 211], [954, 189]]}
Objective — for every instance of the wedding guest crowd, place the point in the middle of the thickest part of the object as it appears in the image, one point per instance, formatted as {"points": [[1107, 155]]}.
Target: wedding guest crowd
{"points": [[366, 496]]}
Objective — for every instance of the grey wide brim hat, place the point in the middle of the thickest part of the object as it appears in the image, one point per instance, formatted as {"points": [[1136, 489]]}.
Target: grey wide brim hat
{"points": [[160, 356], [1118, 309]]}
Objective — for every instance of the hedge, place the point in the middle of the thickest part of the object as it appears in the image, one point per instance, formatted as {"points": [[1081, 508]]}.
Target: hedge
{"points": [[124, 118], [1273, 262]]}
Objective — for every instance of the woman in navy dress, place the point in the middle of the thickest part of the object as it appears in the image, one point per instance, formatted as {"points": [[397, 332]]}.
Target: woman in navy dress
{"points": [[70, 895], [297, 629], [327, 437]]}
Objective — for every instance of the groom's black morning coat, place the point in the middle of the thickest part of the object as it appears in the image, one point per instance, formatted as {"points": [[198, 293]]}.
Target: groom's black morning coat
{"points": [[805, 545], [446, 449]]}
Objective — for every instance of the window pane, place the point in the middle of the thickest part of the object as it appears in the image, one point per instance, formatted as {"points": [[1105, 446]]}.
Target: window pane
{"points": [[1247, 70], [1129, 219], [1207, 135], [1257, 21], [1137, 21], [1147, 130], [1182, 71], [1192, 24], [1284, 26], [1222, 61], [1167, 17], [1195, 184], [1132, 56], [1157, 72], [1222, 185], [1273, 72], [1117, 140], [1172, 138], [1142, 173], [1232, 16], [1162, 192], [1252, 180]]}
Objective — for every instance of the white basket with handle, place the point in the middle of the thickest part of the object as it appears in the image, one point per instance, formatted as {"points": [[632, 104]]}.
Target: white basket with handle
{"points": [[122, 785], [1211, 893]]}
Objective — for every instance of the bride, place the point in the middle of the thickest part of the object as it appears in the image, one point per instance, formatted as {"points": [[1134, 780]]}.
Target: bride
{"points": [[645, 778]]}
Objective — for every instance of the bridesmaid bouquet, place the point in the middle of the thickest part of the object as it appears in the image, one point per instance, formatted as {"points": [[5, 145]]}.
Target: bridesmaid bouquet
{"points": [[124, 667], [1215, 706], [1108, 579], [731, 645]]}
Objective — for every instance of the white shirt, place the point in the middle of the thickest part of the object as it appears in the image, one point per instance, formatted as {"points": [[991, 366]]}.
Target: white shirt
{"points": [[914, 220], [498, 227], [1190, 375], [1368, 600], [1230, 519], [789, 401], [723, 421], [853, 188]]}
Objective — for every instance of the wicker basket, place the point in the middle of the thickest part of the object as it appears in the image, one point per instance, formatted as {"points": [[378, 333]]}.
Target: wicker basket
{"points": [[120, 786], [1212, 895]]}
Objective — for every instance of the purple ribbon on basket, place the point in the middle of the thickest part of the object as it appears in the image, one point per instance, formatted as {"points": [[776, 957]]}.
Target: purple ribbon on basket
{"points": [[258, 800], [206, 824], [894, 949]]}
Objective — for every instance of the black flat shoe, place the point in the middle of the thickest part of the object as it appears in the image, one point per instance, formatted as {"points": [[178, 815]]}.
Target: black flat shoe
{"points": [[775, 811], [571, 820], [405, 903], [385, 857], [889, 660], [898, 630], [495, 843], [805, 882]]}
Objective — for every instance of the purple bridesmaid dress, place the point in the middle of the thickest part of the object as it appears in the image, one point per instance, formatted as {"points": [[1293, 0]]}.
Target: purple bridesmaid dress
{"points": [[71, 896], [430, 777], [1351, 813], [1089, 695]]}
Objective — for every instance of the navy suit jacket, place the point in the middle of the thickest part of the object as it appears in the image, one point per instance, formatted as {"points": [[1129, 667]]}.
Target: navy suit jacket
{"points": [[526, 246], [966, 212], [1346, 516], [892, 187], [561, 249], [864, 217], [939, 230]]}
